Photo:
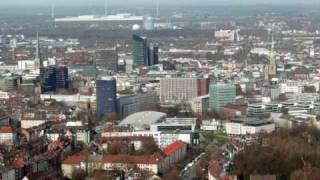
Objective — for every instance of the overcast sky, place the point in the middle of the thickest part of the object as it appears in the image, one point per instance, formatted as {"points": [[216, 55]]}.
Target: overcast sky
{"points": [[63, 2]]}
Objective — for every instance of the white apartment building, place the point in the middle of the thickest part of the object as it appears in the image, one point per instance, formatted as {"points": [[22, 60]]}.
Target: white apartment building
{"points": [[200, 105], [4, 95], [291, 87], [226, 35], [26, 65], [297, 86], [177, 90], [29, 123], [253, 127], [210, 125]]}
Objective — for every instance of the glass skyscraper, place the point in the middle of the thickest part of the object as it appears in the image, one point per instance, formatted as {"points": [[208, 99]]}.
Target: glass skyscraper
{"points": [[144, 54], [53, 78], [140, 51], [221, 95], [106, 89]]}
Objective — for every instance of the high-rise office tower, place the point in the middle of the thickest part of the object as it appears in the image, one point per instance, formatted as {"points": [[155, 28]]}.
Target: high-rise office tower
{"points": [[62, 78], [37, 61], [140, 51], [53, 78], [107, 59], [47, 79], [221, 95], [144, 54], [106, 93], [153, 55], [156, 55]]}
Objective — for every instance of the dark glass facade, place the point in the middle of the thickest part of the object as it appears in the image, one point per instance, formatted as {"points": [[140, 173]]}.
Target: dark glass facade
{"points": [[53, 78], [139, 51], [143, 53], [174, 128], [106, 96]]}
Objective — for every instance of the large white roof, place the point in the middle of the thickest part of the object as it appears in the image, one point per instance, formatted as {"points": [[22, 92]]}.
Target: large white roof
{"points": [[141, 119]]}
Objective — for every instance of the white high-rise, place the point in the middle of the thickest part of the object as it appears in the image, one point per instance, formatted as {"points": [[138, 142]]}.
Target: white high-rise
{"points": [[177, 90]]}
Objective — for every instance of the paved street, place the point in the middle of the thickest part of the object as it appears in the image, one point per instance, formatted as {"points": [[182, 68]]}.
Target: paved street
{"points": [[211, 148]]}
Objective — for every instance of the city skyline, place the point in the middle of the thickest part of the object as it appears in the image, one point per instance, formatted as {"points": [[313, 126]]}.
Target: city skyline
{"points": [[160, 89], [167, 2]]}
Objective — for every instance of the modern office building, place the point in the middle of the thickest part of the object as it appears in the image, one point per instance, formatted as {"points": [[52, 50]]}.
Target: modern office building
{"points": [[251, 126], [47, 79], [61, 78], [221, 95], [129, 104], [144, 54], [174, 124], [153, 55], [53, 78], [106, 89], [140, 50], [107, 58]]}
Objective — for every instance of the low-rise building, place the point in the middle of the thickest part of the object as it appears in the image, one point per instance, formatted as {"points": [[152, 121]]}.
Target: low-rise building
{"points": [[210, 125], [174, 153], [130, 104], [231, 111], [126, 144], [8, 135], [175, 124], [200, 105], [150, 163], [244, 127]]}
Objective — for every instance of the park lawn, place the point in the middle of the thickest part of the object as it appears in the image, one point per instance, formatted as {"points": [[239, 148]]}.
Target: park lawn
{"points": [[220, 137]]}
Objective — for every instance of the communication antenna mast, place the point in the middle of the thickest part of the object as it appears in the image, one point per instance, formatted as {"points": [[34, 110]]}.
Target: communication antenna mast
{"points": [[158, 8], [52, 10], [272, 43], [106, 7]]}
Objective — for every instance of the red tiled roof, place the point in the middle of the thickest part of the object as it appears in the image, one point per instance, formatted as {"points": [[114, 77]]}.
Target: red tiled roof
{"points": [[19, 163], [125, 138], [76, 158], [173, 147], [6, 129], [143, 159], [216, 165]]}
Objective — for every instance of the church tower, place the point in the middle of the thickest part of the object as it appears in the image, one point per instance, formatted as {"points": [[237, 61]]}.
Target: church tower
{"points": [[272, 67], [37, 60]]}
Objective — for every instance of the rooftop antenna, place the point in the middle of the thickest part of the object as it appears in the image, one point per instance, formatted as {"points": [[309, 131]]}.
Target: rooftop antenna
{"points": [[106, 7], [157, 8], [272, 44], [52, 10], [37, 47]]}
